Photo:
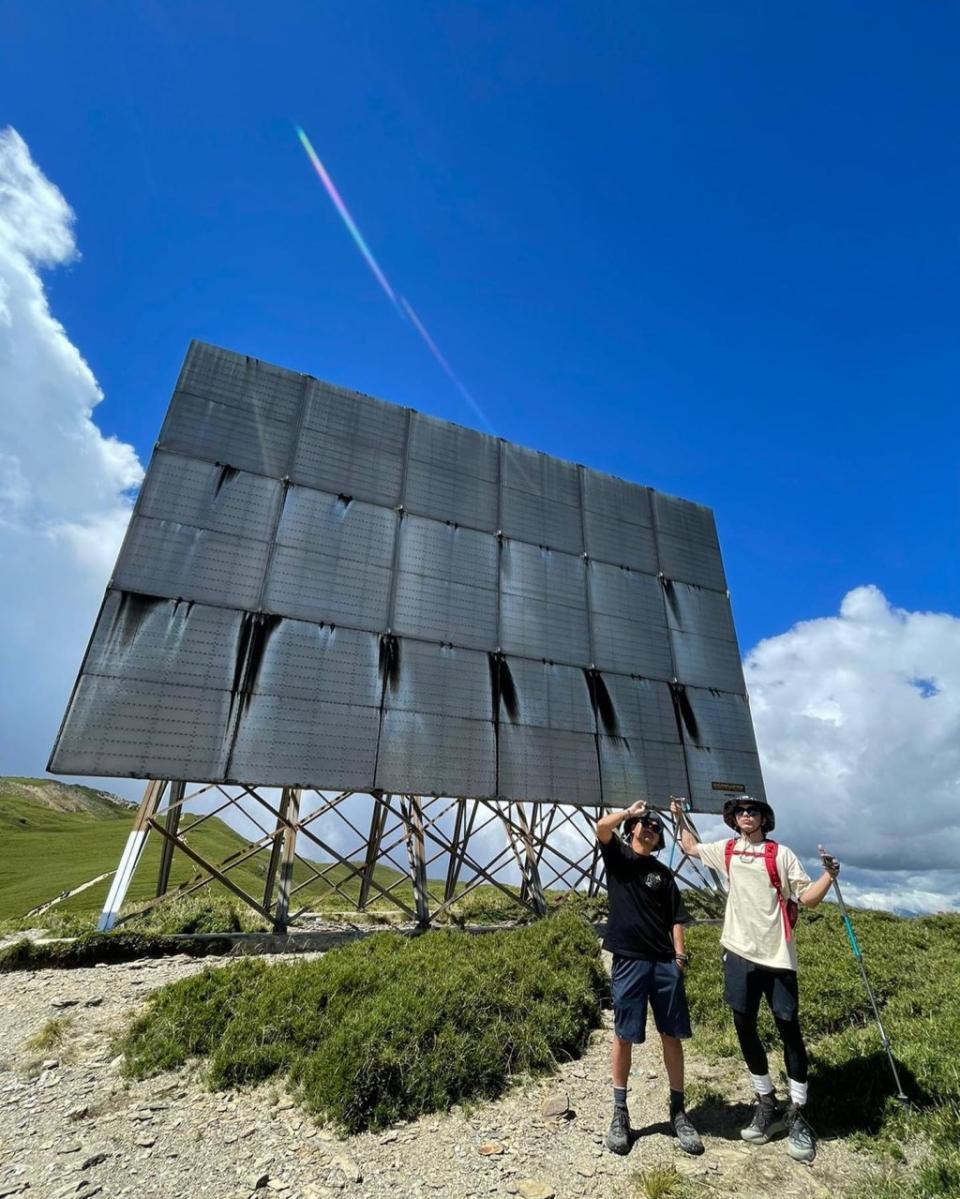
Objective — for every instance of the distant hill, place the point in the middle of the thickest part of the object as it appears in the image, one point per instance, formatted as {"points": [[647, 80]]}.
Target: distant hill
{"points": [[56, 835], [42, 804]]}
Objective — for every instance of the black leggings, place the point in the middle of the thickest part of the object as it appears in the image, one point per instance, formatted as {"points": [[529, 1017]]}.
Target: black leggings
{"points": [[794, 1050]]}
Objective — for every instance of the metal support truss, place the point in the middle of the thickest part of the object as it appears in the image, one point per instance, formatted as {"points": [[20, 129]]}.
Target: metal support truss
{"points": [[420, 856]]}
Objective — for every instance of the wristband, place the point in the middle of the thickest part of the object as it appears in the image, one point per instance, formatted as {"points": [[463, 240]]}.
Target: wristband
{"points": [[681, 957]]}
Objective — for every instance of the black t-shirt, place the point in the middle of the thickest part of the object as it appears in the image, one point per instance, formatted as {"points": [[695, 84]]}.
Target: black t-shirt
{"points": [[645, 904]]}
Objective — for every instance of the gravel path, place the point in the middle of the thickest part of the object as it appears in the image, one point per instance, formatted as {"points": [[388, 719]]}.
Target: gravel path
{"points": [[71, 1126]]}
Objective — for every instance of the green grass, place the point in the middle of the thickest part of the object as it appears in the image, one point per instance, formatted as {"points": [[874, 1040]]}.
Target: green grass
{"points": [[388, 1028], [54, 1034], [914, 968], [660, 1182]]}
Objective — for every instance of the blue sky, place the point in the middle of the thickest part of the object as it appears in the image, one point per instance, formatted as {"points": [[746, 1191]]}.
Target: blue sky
{"points": [[711, 248]]}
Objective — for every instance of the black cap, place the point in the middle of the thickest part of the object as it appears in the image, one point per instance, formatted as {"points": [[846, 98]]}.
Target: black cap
{"points": [[628, 827]]}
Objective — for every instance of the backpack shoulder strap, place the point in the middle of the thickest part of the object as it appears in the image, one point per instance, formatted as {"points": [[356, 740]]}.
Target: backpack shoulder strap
{"points": [[728, 854], [770, 860]]}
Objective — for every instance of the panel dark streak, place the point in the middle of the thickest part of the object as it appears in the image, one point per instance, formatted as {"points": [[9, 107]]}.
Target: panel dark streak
{"points": [[671, 593], [131, 610], [389, 661], [503, 691], [256, 629], [502, 687], [687, 726], [226, 474], [603, 710]]}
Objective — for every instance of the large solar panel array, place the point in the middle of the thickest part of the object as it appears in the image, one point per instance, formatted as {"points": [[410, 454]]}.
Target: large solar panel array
{"points": [[321, 589]]}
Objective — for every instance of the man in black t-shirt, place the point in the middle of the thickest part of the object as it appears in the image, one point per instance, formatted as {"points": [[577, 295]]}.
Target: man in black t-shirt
{"points": [[645, 936]]}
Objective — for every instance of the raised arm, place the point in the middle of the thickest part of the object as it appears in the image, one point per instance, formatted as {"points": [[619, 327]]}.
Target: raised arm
{"points": [[688, 839], [606, 825], [817, 891]]}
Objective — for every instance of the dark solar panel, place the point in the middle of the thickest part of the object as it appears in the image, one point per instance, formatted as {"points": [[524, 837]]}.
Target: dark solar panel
{"points": [[322, 589]]}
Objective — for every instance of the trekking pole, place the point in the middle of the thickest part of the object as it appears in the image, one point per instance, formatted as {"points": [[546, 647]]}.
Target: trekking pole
{"points": [[855, 946], [676, 828]]}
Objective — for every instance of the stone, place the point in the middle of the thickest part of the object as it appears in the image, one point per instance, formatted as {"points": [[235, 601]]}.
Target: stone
{"points": [[145, 1142], [586, 1170], [70, 1147], [348, 1167], [95, 1159], [388, 1137], [63, 1002], [78, 1113], [534, 1188], [555, 1106], [93, 1001], [50, 1064], [492, 1149], [258, 1180]]}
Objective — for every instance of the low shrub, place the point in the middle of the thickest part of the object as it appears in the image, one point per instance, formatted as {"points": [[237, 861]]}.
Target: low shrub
{"points": [[387, 1028], [200, 914], [95, 949]]}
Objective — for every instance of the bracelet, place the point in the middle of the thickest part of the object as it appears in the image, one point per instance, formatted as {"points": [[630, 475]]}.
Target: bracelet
{"points": [[682, 957]]}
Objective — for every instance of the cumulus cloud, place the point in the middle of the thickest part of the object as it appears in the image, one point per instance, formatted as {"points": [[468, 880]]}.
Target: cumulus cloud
{"points": [[64, 486], [858, 723]]}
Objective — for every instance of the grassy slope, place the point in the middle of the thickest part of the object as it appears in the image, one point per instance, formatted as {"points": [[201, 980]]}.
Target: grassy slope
{"points": [[47, 850]]}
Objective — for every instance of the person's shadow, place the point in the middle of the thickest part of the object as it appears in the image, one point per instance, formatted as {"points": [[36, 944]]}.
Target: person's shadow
{"points": [[715, 1117], [852, 1097], [649, 1130]]}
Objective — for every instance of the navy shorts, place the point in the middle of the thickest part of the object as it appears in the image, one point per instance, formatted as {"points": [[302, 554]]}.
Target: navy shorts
{"points": [[632, 983]]}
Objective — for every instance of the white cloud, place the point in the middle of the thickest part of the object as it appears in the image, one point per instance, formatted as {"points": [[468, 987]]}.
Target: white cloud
{"points": [[64, 486], [858, 722]]}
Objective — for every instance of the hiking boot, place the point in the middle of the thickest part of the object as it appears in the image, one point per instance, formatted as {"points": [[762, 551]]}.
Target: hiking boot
{"points": [[686, 1134], [767, 1120], [618, 1136], [801, 1139]]}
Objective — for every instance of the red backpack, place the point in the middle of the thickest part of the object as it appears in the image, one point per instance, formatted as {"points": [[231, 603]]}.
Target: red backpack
{"points": [[788, 908]]}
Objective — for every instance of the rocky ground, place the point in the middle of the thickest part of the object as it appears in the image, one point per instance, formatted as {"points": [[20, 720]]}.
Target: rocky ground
{"points": [[70, 1125]]}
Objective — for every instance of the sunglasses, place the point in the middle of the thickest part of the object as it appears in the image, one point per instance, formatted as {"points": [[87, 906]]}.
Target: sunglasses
{"points": [[746, 811], [651, 822]]}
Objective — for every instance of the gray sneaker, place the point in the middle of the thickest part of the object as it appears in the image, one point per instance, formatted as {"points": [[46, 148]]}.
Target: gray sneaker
{"points": [[618, 1136], [801, 1139], [687, 1135], [767, 1120]]}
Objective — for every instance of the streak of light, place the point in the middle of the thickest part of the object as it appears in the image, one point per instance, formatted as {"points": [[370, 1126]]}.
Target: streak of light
{"points": [[448, 369], [348, 219], [399, 302]]}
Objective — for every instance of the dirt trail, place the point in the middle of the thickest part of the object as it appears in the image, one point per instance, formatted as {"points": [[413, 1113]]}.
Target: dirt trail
{"points": [[76, 1128]]}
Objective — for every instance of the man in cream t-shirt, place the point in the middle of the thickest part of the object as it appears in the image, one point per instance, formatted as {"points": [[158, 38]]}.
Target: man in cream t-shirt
{"points": [[760, 961]]}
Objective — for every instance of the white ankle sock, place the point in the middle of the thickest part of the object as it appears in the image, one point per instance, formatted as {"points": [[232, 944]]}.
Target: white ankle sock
{"points": [[798, 1092], [762, 1084]]}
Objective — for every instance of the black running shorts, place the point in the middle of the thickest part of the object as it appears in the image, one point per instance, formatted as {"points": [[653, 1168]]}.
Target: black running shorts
{"points": [[746, 983]]}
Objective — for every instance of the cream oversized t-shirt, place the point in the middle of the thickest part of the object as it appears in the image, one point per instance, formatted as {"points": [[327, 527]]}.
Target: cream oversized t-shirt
{"points": [[752, 923]]}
